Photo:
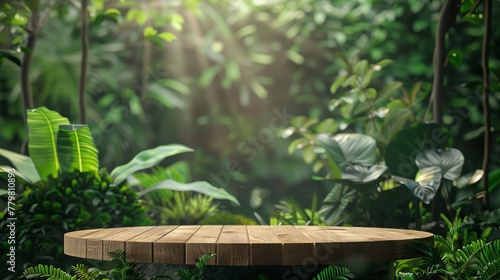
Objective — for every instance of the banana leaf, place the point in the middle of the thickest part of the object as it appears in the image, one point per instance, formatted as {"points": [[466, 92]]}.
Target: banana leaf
{"points": [[146, 159], [76, 149], [43, 126], [24, 166], [200, 187]]}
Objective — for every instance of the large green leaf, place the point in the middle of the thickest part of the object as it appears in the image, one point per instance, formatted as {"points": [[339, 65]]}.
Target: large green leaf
{"points": [[449, 160], [335, 203], [333, 150], [350, 149], [200, 187], [43, 126], [76, 149], [408, 143], [425, 185], [147, 159], [20, 177], [363, 174], [23, 165]]}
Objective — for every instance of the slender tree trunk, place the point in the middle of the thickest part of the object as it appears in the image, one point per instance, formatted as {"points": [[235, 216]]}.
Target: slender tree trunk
{"points": [[84, 36], [446, 20], [26, 93], [486, 104]]}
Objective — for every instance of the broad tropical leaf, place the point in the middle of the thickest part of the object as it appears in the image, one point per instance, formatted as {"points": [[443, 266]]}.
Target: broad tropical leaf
{"points": [[349, 149], [43, 126], [335, 203], [469, 179], [76, 149], [147, 159], [363, 174], [200, 187], [449, 160], [426, 183], [403, 148], [24, 165]]}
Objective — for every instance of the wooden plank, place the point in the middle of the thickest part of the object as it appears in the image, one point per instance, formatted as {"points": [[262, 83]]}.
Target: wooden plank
{"points": [[404, 240], [117, 240], [203, 242], [374, 245], [265, 247], [171, 248], [74, 243], [327, 245], [297, 248], [94, 242], [233, 247], [140, 248]]}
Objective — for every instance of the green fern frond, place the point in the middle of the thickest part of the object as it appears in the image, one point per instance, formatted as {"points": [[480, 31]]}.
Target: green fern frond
{"points": [[203, 260], [490, 271], [468, 256], [122, 269], [48, 272], [82, 272], [186, 274], [333, 272], [430, 255], [490, 252], [263, 276]]}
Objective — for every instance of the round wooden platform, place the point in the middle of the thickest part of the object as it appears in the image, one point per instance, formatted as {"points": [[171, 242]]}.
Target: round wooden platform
{"points": [[246, 245]]}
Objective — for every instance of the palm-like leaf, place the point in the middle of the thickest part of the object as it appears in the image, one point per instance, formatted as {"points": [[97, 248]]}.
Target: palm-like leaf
{"points": [[43, 126], [24, 166], [76, 149], [201, 187], [146, 159]]}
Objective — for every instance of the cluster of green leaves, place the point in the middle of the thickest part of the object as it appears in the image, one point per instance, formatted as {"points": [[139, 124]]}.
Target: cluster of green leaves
{"points": [[394, 140], [121, 271], [72, 202], [65, 191], [170, 200], [460, 254], [197, 272]]}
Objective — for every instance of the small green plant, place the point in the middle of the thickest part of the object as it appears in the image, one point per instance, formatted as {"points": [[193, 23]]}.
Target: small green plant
{"points": [[195, 274], [120, 271], [331, 272], [460, 254]]}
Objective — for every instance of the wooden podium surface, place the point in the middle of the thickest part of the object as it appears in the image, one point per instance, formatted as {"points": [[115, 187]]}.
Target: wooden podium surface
{"points": [[246, 245]]}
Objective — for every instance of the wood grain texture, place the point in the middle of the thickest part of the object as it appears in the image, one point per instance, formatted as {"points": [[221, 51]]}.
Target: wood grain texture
{"points": [[296, 246], [265, 247], [94, 242], [139, 249], [233, 247], [171, 248], [203, 241], [247, 245], [117, 241], [74, 243]]}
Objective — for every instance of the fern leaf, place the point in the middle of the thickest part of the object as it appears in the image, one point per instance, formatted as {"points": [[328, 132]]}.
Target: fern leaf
{"points": [[333, 272], [203, 260], [45, 271], [263, 276], [467, 258], [490, 271]]}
